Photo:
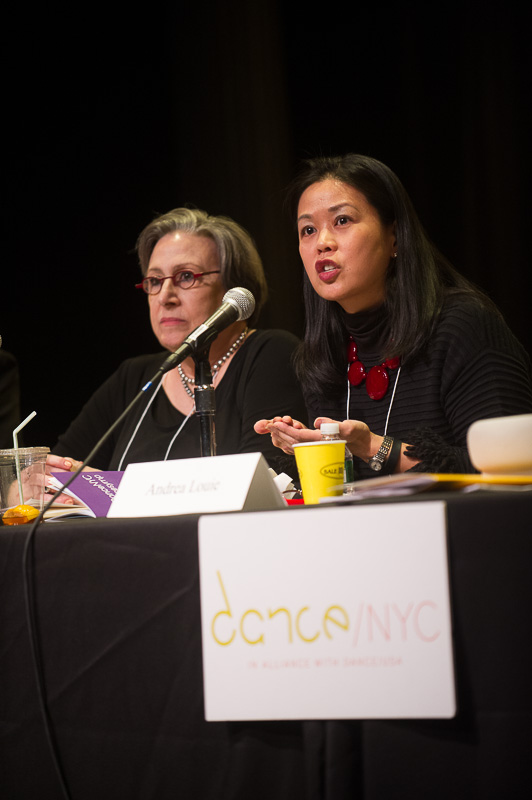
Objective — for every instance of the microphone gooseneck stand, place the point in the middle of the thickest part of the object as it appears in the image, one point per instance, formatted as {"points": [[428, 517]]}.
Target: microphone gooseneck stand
{"points": [[205, 402]]}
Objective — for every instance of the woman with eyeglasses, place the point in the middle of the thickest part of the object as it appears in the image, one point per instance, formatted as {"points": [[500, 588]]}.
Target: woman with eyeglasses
{"points": [[189, 260], [399, 348]]}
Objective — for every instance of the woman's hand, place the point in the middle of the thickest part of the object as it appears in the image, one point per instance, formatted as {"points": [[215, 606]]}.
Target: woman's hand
{"points": [[286, 432], [364, 444], [360, 440], [61, 464]]}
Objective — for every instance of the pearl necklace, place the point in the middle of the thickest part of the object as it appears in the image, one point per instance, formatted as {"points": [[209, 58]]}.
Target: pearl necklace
{"points": [[188, 382]]}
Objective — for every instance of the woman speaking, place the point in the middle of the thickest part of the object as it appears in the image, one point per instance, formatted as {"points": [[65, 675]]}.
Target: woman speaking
{"points": [[399, 347]]}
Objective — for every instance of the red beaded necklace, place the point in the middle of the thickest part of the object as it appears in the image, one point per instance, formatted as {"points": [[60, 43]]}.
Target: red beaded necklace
{"points": [[377, 379]]}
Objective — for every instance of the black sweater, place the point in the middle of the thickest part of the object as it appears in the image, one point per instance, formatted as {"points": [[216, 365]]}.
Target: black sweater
{"points": [[259, 383], [472, 368]]}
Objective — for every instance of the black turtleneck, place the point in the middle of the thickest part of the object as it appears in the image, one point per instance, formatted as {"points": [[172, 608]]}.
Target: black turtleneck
{"points": [[369, 329], [472, 368]]}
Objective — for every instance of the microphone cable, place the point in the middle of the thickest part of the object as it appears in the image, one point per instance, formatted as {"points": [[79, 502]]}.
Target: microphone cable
{"points": [[28, 579], [239, 298]]}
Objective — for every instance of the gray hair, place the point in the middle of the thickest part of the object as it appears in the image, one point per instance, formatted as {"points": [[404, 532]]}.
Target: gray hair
{"points": [[240, 263]]}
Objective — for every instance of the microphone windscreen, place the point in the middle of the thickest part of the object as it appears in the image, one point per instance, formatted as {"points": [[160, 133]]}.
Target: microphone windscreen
{"points": [[242, 299]]}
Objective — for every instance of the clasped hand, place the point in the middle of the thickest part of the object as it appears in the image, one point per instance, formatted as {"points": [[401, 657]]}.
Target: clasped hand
{"points": [[60, 464], [286, 432]]}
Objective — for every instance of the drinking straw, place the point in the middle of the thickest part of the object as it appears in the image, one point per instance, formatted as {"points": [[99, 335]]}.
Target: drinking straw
{"points": [[15, 446]]}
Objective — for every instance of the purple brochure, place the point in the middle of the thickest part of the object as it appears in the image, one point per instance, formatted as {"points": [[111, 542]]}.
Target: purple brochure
{"points": [[95, 489]]}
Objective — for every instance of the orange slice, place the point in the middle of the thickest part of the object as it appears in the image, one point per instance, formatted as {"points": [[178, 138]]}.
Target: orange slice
{"points": [[19, 515]]}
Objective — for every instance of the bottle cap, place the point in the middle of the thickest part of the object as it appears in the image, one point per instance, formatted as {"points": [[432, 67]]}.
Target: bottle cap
{"points": [[329, 428]]}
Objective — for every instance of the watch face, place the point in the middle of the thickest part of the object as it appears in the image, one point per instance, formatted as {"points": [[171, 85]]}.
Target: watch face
{"points": [[375, 464]]}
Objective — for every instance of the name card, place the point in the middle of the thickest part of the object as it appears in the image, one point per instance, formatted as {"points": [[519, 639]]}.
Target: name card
{"points": [[333, 613], [196, 485]]}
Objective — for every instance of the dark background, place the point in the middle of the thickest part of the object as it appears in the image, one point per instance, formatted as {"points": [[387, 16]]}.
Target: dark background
{"points": [[109, 120]]}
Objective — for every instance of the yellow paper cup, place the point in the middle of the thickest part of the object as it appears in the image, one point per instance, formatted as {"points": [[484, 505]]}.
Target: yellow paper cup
{"points": [[321, 467]]}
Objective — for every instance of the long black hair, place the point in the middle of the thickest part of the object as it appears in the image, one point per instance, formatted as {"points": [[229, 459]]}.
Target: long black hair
{"points": [[417, 280]]}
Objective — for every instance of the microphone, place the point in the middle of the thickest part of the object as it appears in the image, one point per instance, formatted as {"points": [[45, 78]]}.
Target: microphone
{"points": [[238, 303]]}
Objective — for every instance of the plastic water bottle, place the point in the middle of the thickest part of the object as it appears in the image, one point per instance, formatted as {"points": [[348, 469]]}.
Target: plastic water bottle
{"points": [[330, 432]]}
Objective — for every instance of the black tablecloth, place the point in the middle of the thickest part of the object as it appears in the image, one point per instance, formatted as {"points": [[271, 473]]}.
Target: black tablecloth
{"points": [[119, 622]]}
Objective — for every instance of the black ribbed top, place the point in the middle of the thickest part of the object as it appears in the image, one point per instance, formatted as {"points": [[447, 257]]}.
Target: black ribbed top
{"points": [[472, 368]]}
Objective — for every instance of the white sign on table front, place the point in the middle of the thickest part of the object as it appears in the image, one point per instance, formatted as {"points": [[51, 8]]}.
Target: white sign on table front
{"points": [[333, 613], [196, 486]]}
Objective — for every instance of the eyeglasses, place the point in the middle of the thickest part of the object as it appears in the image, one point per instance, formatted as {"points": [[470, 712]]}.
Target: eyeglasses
{"points": [[185, 279]]}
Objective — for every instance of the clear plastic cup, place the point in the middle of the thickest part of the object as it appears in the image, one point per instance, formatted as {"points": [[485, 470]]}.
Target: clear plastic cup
{"points": [[22, 483]]}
